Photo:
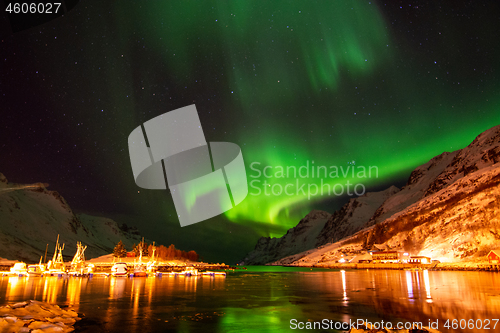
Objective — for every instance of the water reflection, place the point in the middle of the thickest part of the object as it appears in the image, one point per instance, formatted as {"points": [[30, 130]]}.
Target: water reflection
{"points": [[50, 289], [409, 285], [117, 287], [344, 287], [265, 301], [427, 286], [410, 295]]}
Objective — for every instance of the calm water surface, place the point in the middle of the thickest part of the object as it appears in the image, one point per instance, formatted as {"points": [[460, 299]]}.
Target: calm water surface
{"points": [[265, 299]]}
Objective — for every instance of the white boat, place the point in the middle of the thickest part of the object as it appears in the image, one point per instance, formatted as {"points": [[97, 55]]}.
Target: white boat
{"points": [[214, 273], [119, 269], [35, 270], [19, 269]]}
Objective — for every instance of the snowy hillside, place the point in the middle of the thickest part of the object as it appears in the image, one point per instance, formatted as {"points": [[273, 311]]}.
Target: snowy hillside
{"points": [[457, 218], [460, 221], [31, 217]]}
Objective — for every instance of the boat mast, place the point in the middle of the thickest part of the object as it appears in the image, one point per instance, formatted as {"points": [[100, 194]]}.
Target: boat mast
{"points": [[45, 258], [140, 253], [55, 251]]}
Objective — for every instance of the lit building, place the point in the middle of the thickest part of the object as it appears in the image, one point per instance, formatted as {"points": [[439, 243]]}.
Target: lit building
{"points": [[390, 257], [419, 260], [494, 256]]}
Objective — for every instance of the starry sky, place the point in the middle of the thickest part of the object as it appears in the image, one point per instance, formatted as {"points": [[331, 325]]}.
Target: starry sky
{"points": [[334, 83]]}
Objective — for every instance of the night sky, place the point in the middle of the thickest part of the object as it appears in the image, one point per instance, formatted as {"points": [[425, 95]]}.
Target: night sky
{"points": [[340, 83]]}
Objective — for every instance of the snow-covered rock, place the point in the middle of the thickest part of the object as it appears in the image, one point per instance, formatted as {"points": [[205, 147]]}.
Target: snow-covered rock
{"points": [[31, 217], [353, 216], [297, 239], [415, 189], [34, 316], [483, 152]]}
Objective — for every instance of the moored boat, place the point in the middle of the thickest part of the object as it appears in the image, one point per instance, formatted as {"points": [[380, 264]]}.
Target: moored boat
{"points": [[188, 271], [78, 263], [151, 265], [139, 270], [56, 266], [139, 267], [19, 269], [119, 269], [214, 273], [34, 270]]}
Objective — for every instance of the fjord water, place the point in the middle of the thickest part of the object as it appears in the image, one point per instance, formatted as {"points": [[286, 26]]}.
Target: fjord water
{"points": [[265, 299]]}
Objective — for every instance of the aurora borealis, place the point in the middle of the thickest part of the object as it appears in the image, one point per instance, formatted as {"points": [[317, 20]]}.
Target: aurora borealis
{"points": [[340, 83]]}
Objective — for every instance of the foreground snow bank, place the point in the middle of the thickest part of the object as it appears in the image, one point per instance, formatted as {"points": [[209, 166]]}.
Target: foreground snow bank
{"points": [[36, 317]]}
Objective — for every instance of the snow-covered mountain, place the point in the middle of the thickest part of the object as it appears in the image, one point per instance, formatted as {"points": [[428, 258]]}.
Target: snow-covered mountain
{"points": [[448, 208], [31, 217], [297, 239]]}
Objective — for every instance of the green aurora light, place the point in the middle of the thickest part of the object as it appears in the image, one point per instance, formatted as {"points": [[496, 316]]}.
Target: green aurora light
{"points": [[317, 83], [340, 83]]}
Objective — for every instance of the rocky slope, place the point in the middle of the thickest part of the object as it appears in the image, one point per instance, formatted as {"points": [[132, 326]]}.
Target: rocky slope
{"points": [[353, 216], [297, 239], [457, 218], [459, 222], [453, 187], [415, 189], [31, 217]]}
